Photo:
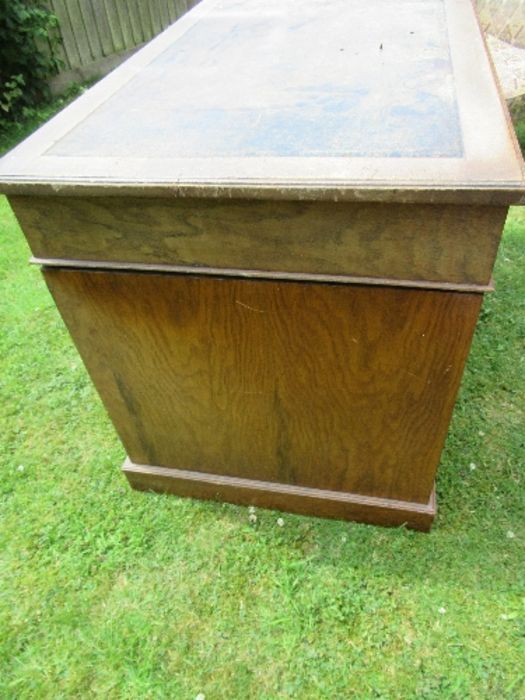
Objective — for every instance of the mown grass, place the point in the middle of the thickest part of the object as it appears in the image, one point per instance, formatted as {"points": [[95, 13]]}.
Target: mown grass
{"points": [[111, 593]]}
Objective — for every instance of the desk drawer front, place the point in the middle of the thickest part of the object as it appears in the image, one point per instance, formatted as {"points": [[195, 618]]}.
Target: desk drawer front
{"points": [[426, 244]]}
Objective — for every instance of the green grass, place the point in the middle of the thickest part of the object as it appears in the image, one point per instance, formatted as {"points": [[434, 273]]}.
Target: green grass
{"points": [[105, 592]]}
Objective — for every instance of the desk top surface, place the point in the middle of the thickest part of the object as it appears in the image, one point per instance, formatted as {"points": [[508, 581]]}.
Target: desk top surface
{"points": [[307, 99]]}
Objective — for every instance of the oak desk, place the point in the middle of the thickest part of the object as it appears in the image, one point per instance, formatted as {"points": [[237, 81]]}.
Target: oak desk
{"points": [[269, 233]]}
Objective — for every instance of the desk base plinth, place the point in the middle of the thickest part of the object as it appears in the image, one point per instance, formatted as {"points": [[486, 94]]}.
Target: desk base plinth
{"points": [[285, 497]]}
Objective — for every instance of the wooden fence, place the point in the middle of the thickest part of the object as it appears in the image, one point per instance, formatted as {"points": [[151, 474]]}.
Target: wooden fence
{"points": [[504, 19], [97, 34]]}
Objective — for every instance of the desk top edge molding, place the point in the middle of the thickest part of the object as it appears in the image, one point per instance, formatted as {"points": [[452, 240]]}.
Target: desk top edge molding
{"points": [[509, 194]]}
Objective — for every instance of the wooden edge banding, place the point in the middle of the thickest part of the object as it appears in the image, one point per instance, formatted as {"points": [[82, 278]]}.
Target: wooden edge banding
{"points": [[260, 274], [295, 499], [489, 193]]}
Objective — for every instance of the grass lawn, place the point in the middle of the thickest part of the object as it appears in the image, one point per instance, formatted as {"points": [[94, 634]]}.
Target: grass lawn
{"points": [[111, 593]]}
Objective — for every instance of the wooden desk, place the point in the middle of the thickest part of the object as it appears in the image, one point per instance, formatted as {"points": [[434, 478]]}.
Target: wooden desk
{"points": [[269, 233]]}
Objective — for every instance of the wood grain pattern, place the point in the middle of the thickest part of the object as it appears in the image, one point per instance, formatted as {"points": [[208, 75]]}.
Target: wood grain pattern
{"points": [[116, 29], [295, 499], [164, 14], [136, 21], [337, 387], [125, 24], [429, 243], [69, 43], [90, 27], [77, 22], [156, 19], [144, 19], [103, 28]]}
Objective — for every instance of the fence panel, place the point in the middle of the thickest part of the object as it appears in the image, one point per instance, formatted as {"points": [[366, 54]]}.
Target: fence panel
{"points": [[96, 34]]}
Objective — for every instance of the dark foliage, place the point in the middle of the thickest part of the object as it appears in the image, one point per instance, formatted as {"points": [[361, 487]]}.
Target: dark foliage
{"points": [[27, 58]]}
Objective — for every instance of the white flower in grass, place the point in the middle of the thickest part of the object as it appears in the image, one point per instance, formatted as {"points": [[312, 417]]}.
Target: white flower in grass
{"points": [[510, 535], [472, 466], [442, 611], [280, 522], [20, 468], [200, 696]]}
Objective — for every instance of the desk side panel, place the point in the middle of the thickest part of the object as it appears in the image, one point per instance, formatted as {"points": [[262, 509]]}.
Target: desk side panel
{"points": [[422, 243], [336, 387]]}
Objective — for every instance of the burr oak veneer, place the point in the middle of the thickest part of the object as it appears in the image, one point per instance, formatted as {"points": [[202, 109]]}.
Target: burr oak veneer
{"points": [[269, 234]]}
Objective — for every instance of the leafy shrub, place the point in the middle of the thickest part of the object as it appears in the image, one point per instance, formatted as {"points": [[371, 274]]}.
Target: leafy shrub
{"points": [[27, 58], [13, 132]]}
